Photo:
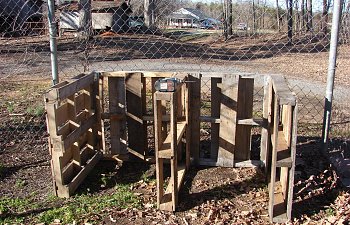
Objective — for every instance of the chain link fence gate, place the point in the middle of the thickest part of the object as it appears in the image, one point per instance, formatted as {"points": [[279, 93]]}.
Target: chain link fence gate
{"points": [[255, 36]]}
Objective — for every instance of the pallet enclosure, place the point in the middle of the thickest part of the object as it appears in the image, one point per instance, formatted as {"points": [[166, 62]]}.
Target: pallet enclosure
{"points": [[120, 115]]}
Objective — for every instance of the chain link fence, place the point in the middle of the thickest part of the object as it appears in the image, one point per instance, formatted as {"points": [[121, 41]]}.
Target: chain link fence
{"points": [[249, 36]]}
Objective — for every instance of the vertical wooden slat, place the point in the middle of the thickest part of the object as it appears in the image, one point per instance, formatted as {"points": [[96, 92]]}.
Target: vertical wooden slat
{"points": [[228, 117], [287, 122], [195, 86], [100, 121], [215, 113], [158, 142], [135, 107], [189, 124], [265, 138], [274, 137], [144, 111], [294, 130], [173, 133], [116, 88], [244, 111]]}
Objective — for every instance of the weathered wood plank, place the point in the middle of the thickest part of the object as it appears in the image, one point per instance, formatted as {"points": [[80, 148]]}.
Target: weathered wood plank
{"points": [[293, 155], [228, 116], [286, 97], [239, 164], [274, 137], [158, 143], [116, 88], [244, 111], [79, 178], [195, 87], [210, 119], [135, 109], [71, 88], [78, 131], [215, 113], [265, 135]]}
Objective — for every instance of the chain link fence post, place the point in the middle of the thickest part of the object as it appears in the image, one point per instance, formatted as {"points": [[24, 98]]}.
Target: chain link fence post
{"points": [[53, 40], [337, 8]]}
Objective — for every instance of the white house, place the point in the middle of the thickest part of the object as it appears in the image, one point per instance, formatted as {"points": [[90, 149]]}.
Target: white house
{"points": [[191, 18]]}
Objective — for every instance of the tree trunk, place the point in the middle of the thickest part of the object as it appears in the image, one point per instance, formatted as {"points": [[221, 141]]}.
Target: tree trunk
{"points": [[85, 22], [254, 16], [296, 16], [302, 15], [289, 4], [263, 16], [325, 17], [224, 12], [309, 25], [149, 12], [229, 17], [278, 16]]}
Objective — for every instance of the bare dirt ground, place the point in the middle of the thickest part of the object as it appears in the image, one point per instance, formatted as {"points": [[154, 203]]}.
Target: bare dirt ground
{"points": [[209, 195]]}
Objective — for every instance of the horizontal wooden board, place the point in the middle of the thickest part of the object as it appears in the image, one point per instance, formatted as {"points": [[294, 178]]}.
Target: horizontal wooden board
{"points": [[251, 122], [80, 130], [165, 150], [284, 158], [209, 119], [79, 178], [238, 163], [71, 88]]}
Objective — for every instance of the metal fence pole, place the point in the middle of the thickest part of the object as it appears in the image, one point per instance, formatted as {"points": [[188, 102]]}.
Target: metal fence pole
{"points": [[53, 41], [331, 72]]}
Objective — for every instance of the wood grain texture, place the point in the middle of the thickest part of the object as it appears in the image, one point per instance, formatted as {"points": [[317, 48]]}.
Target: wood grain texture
{"points": [[244, 111], [228, 117]]}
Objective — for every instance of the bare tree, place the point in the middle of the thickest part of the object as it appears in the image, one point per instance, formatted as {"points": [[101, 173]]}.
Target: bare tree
{"points": [[302, 15], [309, 25], [296, 16], [326, 4], [278, 16], [289, 4], [254, 15], [228, 19], [149, 12]]}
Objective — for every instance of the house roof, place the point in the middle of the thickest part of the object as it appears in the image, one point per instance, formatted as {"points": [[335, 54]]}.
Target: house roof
{"points": [[197, 12], [188, 13]]}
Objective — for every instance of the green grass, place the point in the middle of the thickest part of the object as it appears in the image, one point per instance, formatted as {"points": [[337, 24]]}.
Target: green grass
{"points": [[36, 110], [77, 208], [20, 183], [10, 106]]}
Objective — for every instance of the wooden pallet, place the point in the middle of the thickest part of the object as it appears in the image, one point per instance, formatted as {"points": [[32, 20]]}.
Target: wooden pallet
{"points": [[231, 120], [169, 147], [127, 94], [73, 119], [279, 147]]}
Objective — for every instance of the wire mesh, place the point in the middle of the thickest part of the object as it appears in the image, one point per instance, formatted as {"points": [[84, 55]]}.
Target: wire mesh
{"points": [[254, 36]]}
